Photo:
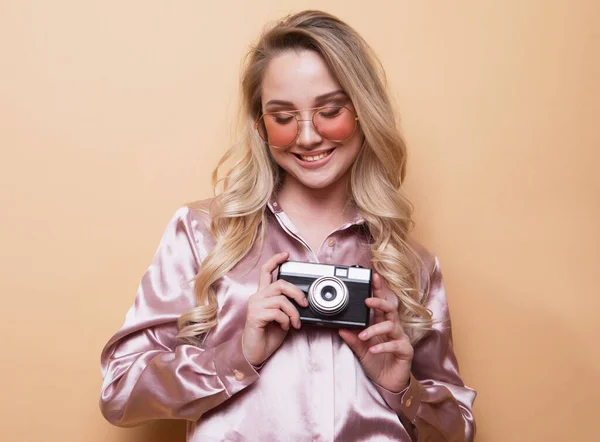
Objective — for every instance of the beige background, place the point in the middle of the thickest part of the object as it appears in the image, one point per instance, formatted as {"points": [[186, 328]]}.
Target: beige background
{"points": [[113, 113]]}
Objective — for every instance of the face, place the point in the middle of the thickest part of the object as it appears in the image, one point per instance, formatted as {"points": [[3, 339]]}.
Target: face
{"points": [[300, 80]]}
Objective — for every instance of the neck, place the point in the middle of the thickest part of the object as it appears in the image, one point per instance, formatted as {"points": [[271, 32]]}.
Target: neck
{"points": [[331, 203]]}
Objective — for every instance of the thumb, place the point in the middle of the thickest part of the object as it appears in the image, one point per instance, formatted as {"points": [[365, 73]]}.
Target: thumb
{"points": [[350, 337]]}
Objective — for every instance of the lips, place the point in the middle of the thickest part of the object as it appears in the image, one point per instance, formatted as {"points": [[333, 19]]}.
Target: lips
{"points": [[313, 158]]}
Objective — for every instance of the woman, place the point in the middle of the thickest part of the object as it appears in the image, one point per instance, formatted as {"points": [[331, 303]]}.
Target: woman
{"points": [[212, 337]]}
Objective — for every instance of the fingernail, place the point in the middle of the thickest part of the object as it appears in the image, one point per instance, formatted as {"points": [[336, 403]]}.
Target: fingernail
{"points": [[374, 349], [362, 335]]}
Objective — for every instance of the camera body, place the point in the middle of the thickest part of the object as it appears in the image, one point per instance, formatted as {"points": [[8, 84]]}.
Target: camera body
{"points": [[336, 294]]}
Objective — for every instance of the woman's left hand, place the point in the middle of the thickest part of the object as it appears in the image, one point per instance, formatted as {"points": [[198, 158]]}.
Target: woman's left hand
{"points": [[383, 349]]}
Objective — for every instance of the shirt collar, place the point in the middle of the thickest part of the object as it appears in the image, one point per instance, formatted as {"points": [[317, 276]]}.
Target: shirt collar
{"points": [[275, 207]]}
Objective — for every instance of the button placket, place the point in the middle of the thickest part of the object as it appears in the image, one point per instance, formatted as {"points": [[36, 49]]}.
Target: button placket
{"points": [[238, 375], [330, 248]]}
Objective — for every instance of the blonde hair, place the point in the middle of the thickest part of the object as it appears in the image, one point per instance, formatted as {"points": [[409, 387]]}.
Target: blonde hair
{"points": [[238, 211]]}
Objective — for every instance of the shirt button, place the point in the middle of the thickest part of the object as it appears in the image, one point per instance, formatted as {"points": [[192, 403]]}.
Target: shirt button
{"points": [[239, 376], [408, 402], [331, 243]]}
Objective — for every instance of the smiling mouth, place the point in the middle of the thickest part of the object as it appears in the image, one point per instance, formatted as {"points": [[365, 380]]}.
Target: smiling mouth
{"points": [[310, 159]]}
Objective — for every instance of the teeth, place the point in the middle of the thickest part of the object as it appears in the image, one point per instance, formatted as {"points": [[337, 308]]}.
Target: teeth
{"points": [[314, 158]]}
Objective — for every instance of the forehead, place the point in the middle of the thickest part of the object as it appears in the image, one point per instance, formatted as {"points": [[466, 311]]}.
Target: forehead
{"points": [[299, 77]]}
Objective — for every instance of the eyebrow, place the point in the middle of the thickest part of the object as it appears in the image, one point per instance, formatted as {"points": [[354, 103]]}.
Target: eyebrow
{"points": [[318, 100]]}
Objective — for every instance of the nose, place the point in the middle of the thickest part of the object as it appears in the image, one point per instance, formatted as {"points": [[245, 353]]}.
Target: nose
{"points": [[308, 136]]}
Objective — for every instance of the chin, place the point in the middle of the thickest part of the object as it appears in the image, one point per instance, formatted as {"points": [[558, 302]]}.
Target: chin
{"points": [[319, 183], [316, 186]]}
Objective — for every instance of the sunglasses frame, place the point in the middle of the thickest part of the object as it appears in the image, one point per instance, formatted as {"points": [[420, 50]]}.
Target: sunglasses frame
{"points": [[312, 120]]}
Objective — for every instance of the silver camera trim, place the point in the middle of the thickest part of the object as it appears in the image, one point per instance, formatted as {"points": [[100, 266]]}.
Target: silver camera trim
{"points": [[328, 308], [317, 270]]}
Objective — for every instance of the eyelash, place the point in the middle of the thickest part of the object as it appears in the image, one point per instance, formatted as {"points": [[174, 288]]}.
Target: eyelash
{"points": [[334, 102]]}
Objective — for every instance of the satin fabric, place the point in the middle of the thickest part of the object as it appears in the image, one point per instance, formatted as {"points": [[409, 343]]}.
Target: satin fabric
{"points": [[312, 388]]}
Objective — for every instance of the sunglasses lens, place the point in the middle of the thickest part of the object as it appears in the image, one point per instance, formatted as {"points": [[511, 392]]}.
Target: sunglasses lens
{"points": [[334, 123], [278, 129]]}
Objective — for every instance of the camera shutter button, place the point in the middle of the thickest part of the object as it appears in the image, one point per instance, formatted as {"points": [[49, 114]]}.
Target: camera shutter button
{"points": [[331, 242]]}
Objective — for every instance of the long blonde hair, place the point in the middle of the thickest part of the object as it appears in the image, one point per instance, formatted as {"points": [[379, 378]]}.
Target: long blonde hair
{"points": [[238, 211]]}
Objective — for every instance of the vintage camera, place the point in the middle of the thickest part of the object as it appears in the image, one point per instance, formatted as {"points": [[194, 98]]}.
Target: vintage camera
{"points": [[336, 294]]}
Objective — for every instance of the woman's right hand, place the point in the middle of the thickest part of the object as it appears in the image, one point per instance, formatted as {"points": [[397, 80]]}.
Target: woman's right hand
{"points": [[270, 313]]}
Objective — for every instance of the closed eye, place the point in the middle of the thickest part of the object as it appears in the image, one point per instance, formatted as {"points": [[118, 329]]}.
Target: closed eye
{"points": [[330, 112], [280, 118]]}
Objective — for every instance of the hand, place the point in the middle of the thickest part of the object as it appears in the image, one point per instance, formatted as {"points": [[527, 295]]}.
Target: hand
{"points": [[270, 313], [383, 349]]}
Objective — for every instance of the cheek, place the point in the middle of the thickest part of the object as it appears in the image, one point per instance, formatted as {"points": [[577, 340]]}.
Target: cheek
{"points": [[274, 153], [281, 158], [355, 146]]}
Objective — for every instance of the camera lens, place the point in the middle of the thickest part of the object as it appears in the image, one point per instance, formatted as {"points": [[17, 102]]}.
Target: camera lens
{"points": [[328, 293], [328, 296]]}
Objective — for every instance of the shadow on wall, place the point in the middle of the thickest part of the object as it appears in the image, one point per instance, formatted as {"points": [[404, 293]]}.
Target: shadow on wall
{"points": [[157, 431]]}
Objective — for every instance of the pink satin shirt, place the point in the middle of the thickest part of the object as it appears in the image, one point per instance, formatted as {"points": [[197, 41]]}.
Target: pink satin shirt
{"points": [[312, 388]]}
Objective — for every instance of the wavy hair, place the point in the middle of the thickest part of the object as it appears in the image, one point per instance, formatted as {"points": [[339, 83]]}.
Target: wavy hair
{"points": [[237, 212]]}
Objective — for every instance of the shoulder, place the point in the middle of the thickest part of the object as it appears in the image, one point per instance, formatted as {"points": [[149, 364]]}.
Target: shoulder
{"points": [[429, 260], [195, 214], [192, 220], [432, 286], [200, 206], [431, 278]]}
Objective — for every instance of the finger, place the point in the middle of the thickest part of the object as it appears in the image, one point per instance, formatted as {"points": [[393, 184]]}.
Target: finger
{"points": [[401, 348], [383, 309], [282, 287], [282, 303], [387, 328], [379, 316], [377, 285], [377, 292], [274, 315], [350, 337], [381, 304], [267, 269]]}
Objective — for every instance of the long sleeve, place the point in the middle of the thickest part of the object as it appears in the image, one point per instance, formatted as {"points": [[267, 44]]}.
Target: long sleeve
{"points": [[436, 406], [146, 374]]}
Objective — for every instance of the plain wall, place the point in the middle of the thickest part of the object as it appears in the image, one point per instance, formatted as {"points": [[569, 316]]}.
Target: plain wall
{"points": [[114, 113]]}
